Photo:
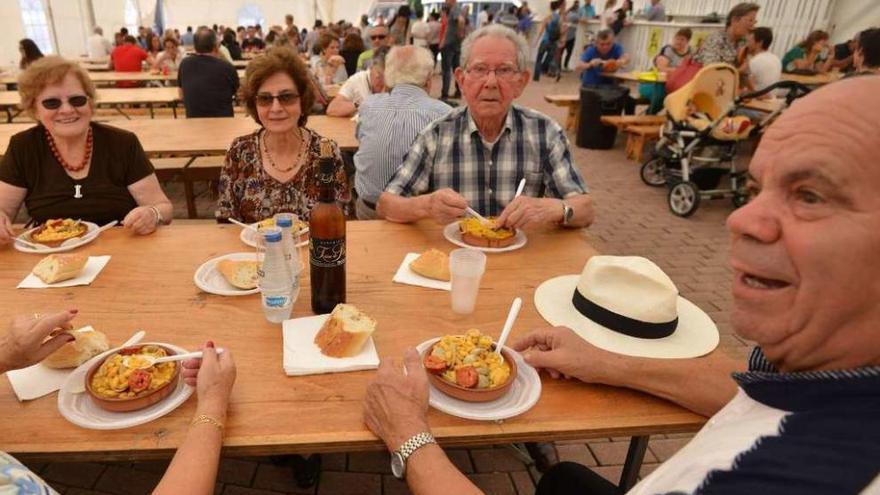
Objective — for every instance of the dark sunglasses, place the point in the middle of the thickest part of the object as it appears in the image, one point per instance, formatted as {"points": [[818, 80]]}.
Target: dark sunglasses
{"points": [[378, 36], [55, 103], [286, 99]]}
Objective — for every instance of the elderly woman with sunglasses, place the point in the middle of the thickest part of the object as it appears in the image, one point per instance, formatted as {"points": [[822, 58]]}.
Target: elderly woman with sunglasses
{"points": [[274, 169], [69, 166]]}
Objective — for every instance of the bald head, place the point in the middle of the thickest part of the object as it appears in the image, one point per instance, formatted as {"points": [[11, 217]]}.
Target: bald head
{"points": [[834, 121]]}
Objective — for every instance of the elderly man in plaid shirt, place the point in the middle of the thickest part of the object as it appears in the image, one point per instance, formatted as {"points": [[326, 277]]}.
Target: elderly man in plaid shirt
{"points": [[477, 154]]}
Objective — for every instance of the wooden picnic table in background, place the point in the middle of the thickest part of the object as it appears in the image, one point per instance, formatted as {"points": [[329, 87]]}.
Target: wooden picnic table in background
{"points": [[111, 97], [814, 80], [148, 285], [116, 76]]}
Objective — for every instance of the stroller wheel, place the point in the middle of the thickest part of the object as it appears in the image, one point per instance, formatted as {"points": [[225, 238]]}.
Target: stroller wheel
{"points": [[684, 199], [653, 172], [740, 199]]}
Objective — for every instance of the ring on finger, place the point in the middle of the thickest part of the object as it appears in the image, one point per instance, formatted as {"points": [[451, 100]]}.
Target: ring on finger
{"points": [[37, 316]]}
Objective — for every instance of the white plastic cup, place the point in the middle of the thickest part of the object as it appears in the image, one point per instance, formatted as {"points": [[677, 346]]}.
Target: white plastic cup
{"points": [[466, 267]]}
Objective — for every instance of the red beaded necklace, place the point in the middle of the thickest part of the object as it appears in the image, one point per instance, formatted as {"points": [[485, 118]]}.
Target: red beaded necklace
{"points": [[62, 161]]}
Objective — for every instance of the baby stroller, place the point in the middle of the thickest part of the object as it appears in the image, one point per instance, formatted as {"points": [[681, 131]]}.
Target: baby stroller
{"points": [[698, 143]]}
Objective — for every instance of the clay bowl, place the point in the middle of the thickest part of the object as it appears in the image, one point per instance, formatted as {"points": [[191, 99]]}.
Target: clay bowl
{"points": [[81, 231], [137, 402], [474, 394]]}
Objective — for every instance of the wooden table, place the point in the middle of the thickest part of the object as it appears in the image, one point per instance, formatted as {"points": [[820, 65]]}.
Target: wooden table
{"points": [[239, 64], [201, 137], [110, 97], [814, 80], [148, 285], [115, 76]]}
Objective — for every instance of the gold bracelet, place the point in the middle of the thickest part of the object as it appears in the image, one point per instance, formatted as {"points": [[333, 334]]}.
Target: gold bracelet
{"points": [[204, 418]]}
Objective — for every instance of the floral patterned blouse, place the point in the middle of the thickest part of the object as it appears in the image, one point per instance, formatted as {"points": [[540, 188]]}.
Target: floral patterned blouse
{"points": [[249, 194]]}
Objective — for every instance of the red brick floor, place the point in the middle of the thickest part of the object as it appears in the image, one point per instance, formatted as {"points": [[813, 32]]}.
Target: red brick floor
{"points": [[631, 219]]}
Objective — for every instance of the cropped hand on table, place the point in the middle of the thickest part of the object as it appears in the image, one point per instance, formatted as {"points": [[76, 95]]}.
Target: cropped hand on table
{"points": [[396, 405], [24, 342], [446, 205], [213, 377], [563, 354], [526, 212], [141, 220]]}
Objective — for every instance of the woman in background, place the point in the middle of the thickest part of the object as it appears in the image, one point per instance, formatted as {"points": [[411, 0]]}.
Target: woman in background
{"points": [[352, 47], [811, 54], [30, 53]]}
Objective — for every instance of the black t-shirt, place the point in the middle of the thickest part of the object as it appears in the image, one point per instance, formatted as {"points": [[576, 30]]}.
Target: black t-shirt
{"points": [[234, 50], [841, 51], [118, 161], [208, 84]]}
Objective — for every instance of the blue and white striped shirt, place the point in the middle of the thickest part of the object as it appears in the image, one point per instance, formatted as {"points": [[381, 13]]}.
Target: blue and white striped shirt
{"points": [[451, 153], [388, 123]]}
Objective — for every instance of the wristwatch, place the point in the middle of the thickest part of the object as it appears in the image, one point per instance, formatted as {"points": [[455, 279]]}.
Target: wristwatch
{"points": [[399, 457], [567, 214]]}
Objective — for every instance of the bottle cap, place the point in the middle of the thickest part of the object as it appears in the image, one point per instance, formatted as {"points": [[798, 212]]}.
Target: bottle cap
{"points": [[283, 221], [272, 235]]}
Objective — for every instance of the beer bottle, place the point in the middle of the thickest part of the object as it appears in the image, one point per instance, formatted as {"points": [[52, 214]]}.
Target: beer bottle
{"points": [[327, 244]]}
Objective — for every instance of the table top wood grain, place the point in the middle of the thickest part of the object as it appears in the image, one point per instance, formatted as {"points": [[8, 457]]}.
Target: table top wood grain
{"points": [[148, 285]]}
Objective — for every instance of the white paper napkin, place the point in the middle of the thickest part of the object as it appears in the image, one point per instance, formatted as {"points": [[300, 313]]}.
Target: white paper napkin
{"points": [[93, 267], [405, 275], [38, 380], [303, 357]]}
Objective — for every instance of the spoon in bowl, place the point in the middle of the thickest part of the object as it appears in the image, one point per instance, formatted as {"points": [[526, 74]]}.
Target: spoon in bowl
{"points": [[144, 361], [511, 317]]}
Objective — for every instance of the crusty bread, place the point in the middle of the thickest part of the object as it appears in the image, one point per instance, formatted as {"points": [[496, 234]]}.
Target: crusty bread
{"points": [[345, 332], [59, 267], [240, 273], [432, 264], [89, 343]]}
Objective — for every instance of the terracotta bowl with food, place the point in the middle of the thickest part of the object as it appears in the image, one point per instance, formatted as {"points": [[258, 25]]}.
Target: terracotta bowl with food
{"points": [[483, 379], [115, 387], [53, 233], [474, 233]]}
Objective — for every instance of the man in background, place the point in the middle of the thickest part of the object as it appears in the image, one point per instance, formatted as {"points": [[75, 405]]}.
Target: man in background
{"points": [[379, 37], [606, 55], [187, 38], [388, 123], [207, 82], [99, 47], [359, 86], [129, 58], [764, 67]]}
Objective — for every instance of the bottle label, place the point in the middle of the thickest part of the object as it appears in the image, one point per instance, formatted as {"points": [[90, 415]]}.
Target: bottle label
{"points": [[276, 301], [327, 253]]}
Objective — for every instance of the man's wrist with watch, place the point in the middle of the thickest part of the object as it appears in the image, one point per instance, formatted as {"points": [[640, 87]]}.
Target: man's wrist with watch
{"points": [[567, 214], [406, 449]]}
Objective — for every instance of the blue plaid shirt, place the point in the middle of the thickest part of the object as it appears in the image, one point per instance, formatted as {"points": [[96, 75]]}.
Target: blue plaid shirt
{"points": [[451, 153]]}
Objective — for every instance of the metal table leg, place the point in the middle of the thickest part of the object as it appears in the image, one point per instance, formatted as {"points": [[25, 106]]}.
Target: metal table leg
{"points": [[634, 457]]}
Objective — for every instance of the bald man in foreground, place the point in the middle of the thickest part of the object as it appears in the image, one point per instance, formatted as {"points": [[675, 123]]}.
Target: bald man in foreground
{"points": [[805, 417]]}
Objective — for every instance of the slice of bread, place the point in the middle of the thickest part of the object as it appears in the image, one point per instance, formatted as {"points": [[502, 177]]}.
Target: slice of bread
{"points": [[60, 267], [89, 343], [242, 274], [432, 264], [345, 332]]}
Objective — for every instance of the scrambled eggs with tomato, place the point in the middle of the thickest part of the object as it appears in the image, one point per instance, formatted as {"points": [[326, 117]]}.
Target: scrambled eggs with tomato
{"points": [[115, 380], [473, 226], [468, 361], [58, 230]]}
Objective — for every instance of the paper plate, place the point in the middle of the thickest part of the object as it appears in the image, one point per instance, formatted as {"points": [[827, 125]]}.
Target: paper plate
{"points": [[453, 235], [249, 237], [81, 411], [79, 241], [209, 279], [523, 394]]}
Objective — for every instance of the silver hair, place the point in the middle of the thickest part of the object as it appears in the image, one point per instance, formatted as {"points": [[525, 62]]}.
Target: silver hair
{"points": [[497, 31], [408, 65]]}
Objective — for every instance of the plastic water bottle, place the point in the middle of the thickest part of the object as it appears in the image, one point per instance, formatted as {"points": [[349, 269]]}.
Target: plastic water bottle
{"points": [[285, 222], [275, 288]]}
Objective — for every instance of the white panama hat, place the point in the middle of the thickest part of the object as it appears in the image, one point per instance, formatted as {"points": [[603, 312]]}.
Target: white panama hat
{"points": [[627, 305]]}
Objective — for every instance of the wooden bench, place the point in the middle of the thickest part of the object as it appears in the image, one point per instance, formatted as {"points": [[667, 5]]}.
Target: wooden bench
{"points": [[572, 102], [622, 122], [637, 137]]}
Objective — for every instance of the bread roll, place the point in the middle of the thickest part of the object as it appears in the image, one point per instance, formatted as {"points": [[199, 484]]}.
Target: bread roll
{"points": [[87, 344], [432, 264], [242, 274], [345, 332], [59, 267]]}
